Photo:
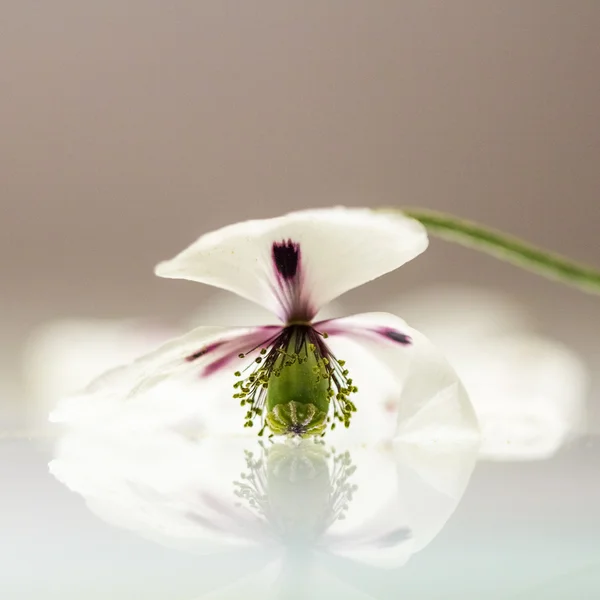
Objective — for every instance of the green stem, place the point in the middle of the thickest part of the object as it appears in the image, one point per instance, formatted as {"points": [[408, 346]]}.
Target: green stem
{"points": [[507, 248]]}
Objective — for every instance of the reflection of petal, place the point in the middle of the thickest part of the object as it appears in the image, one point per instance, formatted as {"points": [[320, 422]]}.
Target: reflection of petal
{"points": [[162, 486], [405, 494], [432, 479], [210, 494], [528, 392], [376, 529]]}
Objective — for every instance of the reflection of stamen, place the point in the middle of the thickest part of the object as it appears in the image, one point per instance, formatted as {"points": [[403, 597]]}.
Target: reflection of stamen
{"points": [[252, 488], [279, 485], [342, 490]]}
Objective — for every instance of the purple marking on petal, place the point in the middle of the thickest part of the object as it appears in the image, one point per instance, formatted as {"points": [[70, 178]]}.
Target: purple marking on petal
{"points": [[217, 365], [231, 348], [340, 327], [289, 286], [203, 351], [395, 537], [396, 336], [286, 256]]}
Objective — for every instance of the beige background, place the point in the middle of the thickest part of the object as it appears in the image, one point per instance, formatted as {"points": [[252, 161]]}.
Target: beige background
{"points": [[127, 128]]}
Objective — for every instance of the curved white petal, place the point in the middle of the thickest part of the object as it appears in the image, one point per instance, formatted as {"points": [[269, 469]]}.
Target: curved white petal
{"points": [[62, 356], [223, 309], [422, 399], [528, 391], [185, 382], [338, 249]]}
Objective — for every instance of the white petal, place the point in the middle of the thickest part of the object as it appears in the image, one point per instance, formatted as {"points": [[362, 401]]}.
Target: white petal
{"points": [[63, 356], [223, 309], [426, 396], [340, 249], [166, 387], [528, 391]]}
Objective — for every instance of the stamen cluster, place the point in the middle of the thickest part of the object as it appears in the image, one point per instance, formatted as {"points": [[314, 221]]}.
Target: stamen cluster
{"points": [[295, 345]]}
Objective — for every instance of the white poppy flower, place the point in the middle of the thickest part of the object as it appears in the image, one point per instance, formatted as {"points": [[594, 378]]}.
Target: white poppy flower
{"points": [[300, 376], [294, 504], [528, 391]]}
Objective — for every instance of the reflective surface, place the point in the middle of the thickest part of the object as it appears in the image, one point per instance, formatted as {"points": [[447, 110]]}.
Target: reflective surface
{"points": [[157, 518]]}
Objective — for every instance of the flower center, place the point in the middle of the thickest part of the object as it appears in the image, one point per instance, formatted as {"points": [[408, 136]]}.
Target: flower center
{"points": [[296, 386]]}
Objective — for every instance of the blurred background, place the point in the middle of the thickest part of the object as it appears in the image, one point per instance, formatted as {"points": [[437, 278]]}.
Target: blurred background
{"points": [[130, 128]]}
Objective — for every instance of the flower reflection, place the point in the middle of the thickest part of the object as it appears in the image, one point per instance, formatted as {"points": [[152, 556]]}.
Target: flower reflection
{"points": [[296, 504], [528, 390]]}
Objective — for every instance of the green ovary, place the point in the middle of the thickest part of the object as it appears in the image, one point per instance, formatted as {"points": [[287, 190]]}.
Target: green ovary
{"points": [[298, 395]]}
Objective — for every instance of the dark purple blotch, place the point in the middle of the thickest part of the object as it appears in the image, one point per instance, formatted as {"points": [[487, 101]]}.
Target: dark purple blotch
{"points": [[286, 256], [396, 336], [203, 351]]}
